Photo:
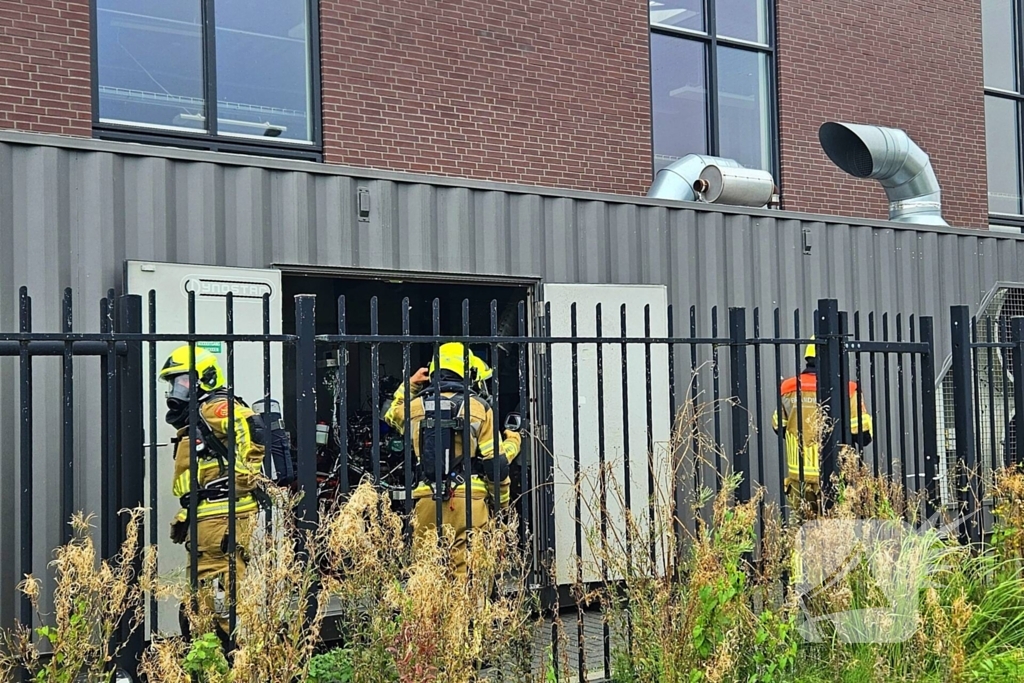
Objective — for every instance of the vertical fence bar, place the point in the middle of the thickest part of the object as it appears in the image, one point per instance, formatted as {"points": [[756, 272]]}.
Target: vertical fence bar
{"points": [[829, 393], [759, 413], [799, 412], [437, 474], [524, 457], [577, 490], [874, 395], [887, 388], [375, 454], [843, 408], [650, 435], [915, 414], [929, 417], [232, 592], [67, 479], [779, 423], [859, 395], [26, 488], [966, 455], [467, 454], [496, 479], [341, 401], [305, 406], [627, 469], [154, 493], [268, 436], [991, 402], [740, 405], [407, 466], [1017, 337], [193, 456], [132, 446], [901, 407], [602, 482], [109, 522], [716, 396]]}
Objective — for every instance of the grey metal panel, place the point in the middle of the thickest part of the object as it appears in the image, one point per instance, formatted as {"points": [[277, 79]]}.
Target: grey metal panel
{"points": [[71, 211]]}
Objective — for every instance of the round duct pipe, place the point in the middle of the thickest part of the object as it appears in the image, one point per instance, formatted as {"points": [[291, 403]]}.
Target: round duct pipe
{"points": [[737, 186], [891, 157]]}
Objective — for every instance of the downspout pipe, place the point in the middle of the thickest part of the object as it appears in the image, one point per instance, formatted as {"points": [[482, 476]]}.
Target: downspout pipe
{"points": [[889, 156], [676, 180]]}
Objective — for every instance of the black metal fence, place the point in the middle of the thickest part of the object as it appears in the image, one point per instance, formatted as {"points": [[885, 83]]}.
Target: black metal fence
{"points": [[599, 398]]}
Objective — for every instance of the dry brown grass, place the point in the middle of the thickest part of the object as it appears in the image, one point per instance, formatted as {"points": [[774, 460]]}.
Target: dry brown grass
{"points": [[92, 600]]}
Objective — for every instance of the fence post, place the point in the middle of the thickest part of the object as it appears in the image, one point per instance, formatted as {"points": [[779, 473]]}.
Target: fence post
{"points": [[1012, 456], [740, 406], [963, 408], [929, 416], [305, 406], [130, 489], [829, 340]]}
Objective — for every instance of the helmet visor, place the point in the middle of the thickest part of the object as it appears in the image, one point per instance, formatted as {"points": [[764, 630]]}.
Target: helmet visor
{"points": [[178, 387]]}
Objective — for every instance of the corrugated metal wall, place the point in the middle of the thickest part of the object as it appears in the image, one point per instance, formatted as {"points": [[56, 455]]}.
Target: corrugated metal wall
{"points": [[71, 212]]}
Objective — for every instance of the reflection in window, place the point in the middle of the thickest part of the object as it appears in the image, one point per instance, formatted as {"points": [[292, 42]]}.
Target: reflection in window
{"points": [[151, 66], [679, 99], [743, 107], [1001, 123], [150, 63], [1004, 100], [731, 118]]}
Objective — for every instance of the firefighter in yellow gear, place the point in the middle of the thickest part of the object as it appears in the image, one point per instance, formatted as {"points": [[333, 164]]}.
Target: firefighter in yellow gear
{"points": [[437, 409], [212, 452], [803, 427]]}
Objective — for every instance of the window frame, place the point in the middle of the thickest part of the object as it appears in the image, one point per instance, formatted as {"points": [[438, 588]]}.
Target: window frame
{"points": [[1017, 97], [212, 140], [710, 41]]}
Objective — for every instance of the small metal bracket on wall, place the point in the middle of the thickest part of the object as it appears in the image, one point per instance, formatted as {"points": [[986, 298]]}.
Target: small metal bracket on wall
{"points": [[807, 241], [363, 204]]}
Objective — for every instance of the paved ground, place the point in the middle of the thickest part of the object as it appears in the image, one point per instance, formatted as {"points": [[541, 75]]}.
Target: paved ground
{"points": [[569, 652]]}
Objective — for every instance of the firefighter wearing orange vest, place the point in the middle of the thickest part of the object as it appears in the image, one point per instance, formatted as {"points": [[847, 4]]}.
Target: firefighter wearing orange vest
{"points": [[437, 411], [803, 427], [212, 511]]}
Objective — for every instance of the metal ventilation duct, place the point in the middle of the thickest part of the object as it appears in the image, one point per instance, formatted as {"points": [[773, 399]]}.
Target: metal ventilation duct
{"points": [[676, 180], [891, 157]]}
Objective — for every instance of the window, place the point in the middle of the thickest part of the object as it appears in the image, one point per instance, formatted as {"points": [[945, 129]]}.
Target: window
{"points": [[1004, 97], [712, 81], [240, 72]]}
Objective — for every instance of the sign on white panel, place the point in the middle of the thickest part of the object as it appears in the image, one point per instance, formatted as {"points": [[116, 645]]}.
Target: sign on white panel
{"points": [[172, 282], [618, 397]]}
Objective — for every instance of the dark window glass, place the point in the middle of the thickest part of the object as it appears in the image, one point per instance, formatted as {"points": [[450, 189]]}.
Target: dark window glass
{"points": [[997, 32], [743, 19], [1003, 141], [263, 79], [150, 57], [679, 98], [687, 14], [150, 62], [743, 107]]}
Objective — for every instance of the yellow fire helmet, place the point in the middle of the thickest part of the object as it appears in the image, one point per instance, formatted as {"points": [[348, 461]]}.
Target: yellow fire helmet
{"points": [[452, 356], [811, 350], [208, 371]]}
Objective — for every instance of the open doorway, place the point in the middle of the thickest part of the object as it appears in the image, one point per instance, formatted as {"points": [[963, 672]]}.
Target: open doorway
{"points": [[358, 374]]}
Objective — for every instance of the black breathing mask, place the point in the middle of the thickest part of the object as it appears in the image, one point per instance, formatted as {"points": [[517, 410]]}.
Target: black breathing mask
{"points": [[177, 401]]}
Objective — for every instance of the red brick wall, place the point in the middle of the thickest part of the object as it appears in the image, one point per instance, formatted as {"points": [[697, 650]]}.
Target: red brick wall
{"points": [[911, 64], [44, 66], [527, 91]]}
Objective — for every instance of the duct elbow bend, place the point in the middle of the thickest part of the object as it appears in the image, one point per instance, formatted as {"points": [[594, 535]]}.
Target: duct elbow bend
{"points": [[675, 181], [891, 157]]}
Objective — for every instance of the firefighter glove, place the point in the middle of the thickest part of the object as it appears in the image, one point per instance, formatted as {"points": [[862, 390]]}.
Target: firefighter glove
{"points": [[179, 527]]}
